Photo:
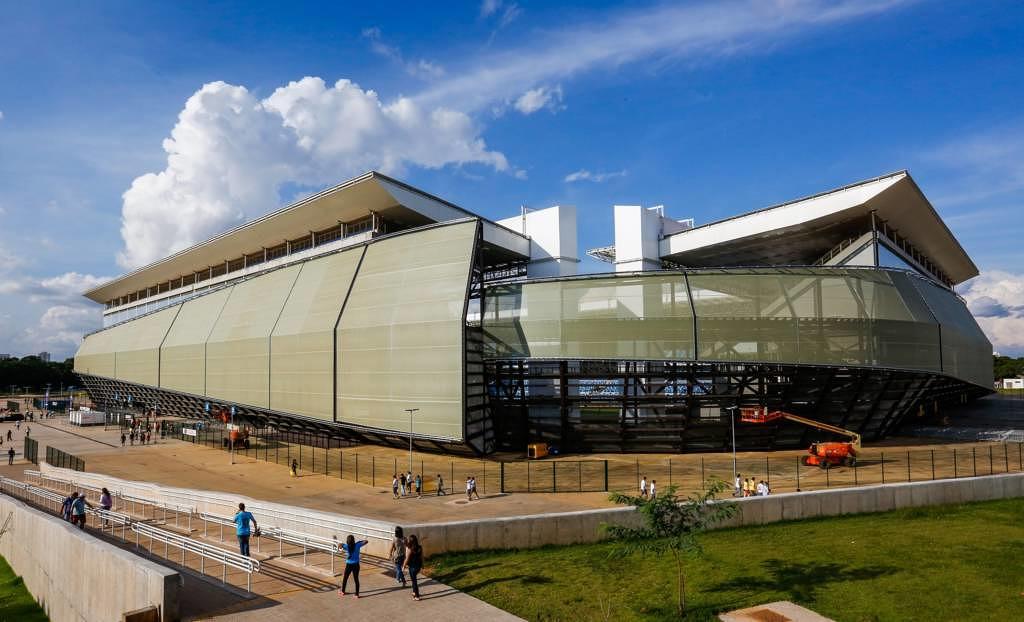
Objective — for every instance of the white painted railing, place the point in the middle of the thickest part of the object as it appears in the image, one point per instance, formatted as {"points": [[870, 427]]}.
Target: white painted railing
{"points": [[227, 559]]}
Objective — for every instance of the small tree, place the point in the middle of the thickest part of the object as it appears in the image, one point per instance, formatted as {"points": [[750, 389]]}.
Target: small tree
{"points": [[671, 525]]}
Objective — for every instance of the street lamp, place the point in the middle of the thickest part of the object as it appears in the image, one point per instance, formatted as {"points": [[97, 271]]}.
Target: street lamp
{"points": [[410, 411], [231, 435], [732, 420]]}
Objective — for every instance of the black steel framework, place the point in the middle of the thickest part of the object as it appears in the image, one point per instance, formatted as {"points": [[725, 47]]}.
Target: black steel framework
{"points": [[684, 406]]}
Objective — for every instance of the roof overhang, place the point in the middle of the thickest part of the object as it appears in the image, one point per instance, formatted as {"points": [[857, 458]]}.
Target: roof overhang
{"points": [[348, 201], [799, 232]]}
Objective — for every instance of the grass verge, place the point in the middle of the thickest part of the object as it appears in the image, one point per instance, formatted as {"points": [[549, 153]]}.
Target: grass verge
{"points": [[16, 604], [963, 562]]}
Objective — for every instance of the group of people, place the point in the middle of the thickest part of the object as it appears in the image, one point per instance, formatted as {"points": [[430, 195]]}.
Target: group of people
{"points": [[406, 552], [471, 490], [406, 485], [73, 509], [750, 487], [648, 491], [138, 432], [407, 555]]}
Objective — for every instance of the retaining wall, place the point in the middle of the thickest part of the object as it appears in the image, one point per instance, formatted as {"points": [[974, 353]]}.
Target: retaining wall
{"points": [[585, 526], [77, 577]]}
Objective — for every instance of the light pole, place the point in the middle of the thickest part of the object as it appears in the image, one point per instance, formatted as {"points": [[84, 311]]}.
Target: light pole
{"points": [[732, 420], [410, 411], [231, 436]]}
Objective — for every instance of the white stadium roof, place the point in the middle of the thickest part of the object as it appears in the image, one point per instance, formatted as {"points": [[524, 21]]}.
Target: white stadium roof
{"points": [[801, 231]]}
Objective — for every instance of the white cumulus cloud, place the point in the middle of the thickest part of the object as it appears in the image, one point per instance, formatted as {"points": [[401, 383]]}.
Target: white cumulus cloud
{"points": [[585, 175], [996, 298], [541, 97], [230, 152]]}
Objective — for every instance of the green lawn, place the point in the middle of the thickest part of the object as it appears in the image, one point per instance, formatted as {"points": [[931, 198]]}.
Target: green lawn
{"points": [[961, 562], [16, 604]]}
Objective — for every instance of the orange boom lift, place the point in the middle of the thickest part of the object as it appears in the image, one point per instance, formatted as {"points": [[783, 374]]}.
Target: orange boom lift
{"points": [[823, 455]]}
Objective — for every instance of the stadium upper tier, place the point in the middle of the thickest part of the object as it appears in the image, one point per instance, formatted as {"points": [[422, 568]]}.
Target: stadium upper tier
{"points": [[800, 316]]}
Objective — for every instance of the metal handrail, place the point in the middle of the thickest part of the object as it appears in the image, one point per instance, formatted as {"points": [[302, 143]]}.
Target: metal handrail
{"points": [[224, 557], [330, 524], [331, 546]]}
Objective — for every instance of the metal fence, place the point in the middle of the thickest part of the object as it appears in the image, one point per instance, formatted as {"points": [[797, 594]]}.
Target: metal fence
{"points": [[688, 472], [31, 450], [63, 459]]}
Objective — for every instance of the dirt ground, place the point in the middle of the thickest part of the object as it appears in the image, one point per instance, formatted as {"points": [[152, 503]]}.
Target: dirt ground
{"points": [[178, 463]]}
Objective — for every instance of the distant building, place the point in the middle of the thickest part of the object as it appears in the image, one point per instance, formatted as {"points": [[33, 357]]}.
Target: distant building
{"points": [[4, 357], [44, 357], [1011, 383]]}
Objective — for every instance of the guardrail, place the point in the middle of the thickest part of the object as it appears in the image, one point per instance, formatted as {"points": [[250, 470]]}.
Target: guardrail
{"points": [[331, 546], [224, 557], [333, 525], [177, 509], [307, 541], [277, 520]]}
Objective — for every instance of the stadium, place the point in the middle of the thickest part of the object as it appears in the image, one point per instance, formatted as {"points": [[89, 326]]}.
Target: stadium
{"points": [[376, 312]]}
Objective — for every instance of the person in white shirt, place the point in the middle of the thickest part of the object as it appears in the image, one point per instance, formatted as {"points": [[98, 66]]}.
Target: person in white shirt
{"points": [[739, 486], [759, 489], [654, 485], [765, 490], [643, 486]]}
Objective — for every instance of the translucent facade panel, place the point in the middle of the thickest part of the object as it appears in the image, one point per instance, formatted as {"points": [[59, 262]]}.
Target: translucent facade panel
{"points": [[400, 339], [238, 349], [138, 347], [183, 355], [96, 355], [302, 346], [966, 351], [827, 317], [639, 317]]}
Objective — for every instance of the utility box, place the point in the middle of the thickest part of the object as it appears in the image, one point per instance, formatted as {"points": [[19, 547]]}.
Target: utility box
{"points": [[535, 451]]}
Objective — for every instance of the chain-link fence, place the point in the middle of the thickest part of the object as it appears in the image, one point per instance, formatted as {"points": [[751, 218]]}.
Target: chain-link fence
{"points": [[374, 466]]}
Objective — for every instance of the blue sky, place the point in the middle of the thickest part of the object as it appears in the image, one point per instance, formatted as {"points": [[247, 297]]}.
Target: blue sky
{"points": [[132, 129]]}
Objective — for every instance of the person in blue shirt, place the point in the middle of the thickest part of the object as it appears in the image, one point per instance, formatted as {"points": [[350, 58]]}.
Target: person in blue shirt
{"points": [[242, 530], [351, 548]]}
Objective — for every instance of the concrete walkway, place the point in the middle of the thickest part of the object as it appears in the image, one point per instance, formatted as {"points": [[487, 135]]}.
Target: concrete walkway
{"points": [[381, 598]]}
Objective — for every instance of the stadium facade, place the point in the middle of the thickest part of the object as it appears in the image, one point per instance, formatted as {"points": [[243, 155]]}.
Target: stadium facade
{"points": [[342, 312]]}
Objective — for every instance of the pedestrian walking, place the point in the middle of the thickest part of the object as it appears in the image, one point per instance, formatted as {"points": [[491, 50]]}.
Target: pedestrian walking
{"points": [[242, 529], [402, 483], [419, 486], [397, 555], [10, 456], [106, 503], [440, 486], [475, 492], [643, 485], [394, 485], [738, 484], [295, 468], [9, 435], [469, 489], [414, 563], [65, 507], [123, 439], [131, 438], [351, 548], [654, 485], [78, 510]]}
